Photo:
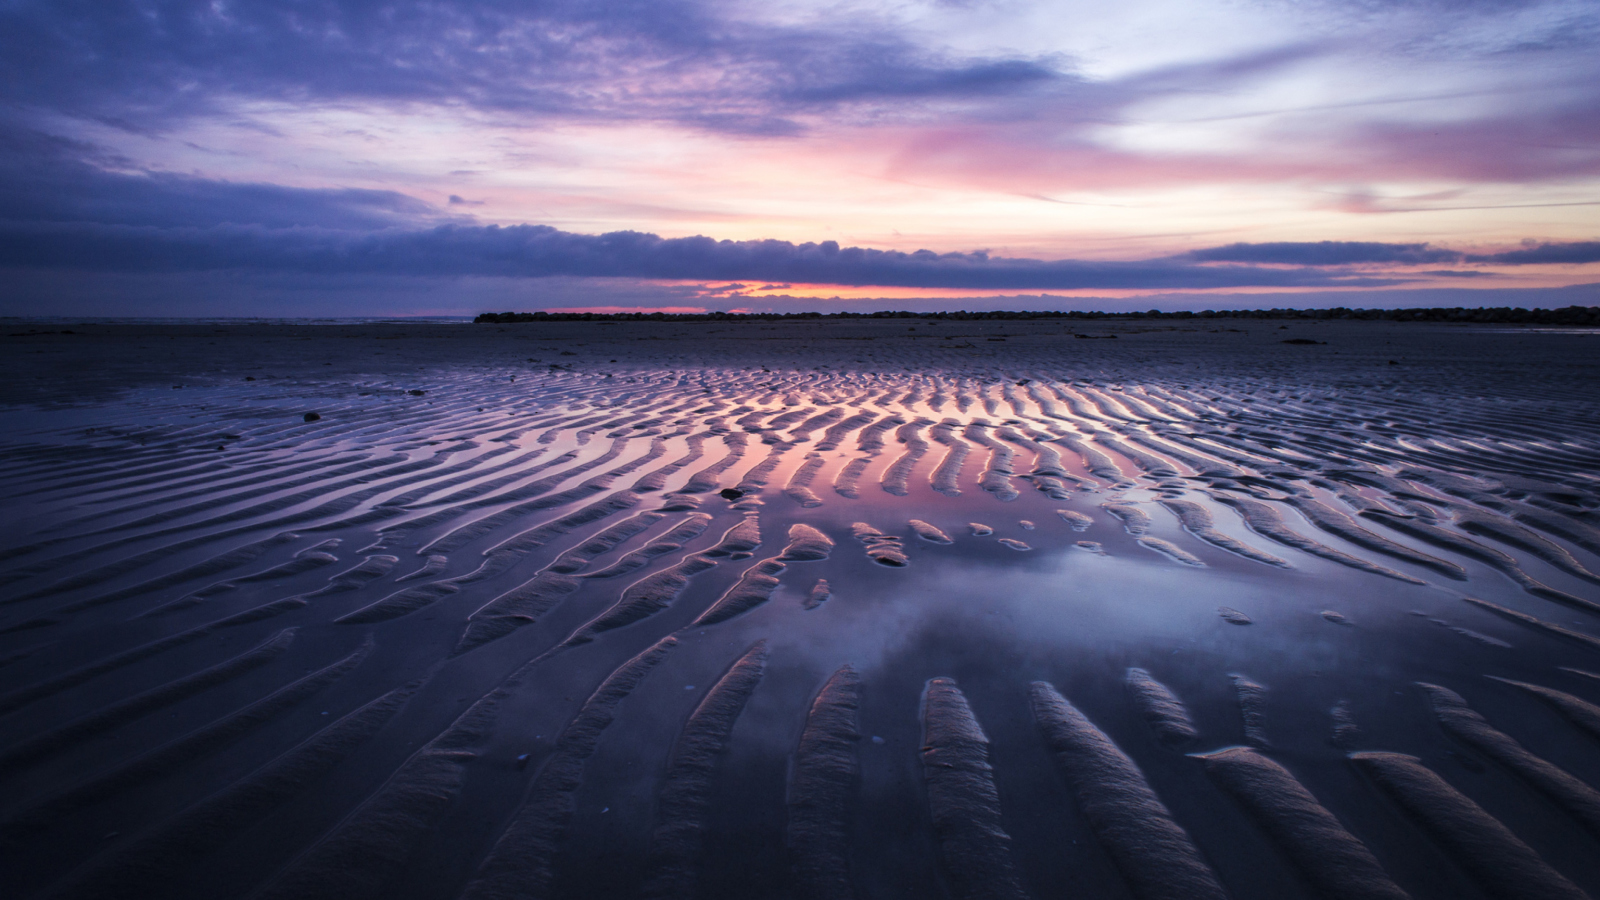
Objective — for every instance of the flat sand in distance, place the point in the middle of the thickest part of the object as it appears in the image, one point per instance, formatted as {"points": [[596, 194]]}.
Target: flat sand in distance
{"points": [[816, 608]]}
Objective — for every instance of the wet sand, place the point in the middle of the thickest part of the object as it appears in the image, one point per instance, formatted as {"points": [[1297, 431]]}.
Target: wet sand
{"points": [[871, 608]]}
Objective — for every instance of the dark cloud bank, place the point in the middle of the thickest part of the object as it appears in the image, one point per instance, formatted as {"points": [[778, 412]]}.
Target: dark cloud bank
{"points": [[535, 251], [68, 211], [1343, 253]]}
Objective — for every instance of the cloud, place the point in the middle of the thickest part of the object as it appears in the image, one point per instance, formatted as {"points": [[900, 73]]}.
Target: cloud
{"points": [[144, 65], [1025, 122], [65, 206], [1572, 252], [536, 251], [52, 179], [1326, 253], [1344, 253]]}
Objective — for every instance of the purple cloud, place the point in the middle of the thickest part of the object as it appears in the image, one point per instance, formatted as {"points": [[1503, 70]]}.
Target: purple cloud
{"points": [[1572, 252], [1326, 253], [1344, 253], [535, 251], [50, 179], [139, 65]]}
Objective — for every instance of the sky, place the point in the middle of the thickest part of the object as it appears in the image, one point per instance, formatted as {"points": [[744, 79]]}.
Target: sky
{"points": [[347, 157]]}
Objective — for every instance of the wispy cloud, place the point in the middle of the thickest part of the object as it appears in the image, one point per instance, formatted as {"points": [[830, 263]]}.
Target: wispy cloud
{"points": [[143, 64]]}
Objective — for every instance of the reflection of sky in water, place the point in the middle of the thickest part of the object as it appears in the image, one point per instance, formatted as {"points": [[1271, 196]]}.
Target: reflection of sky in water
{"points": [[996, 619], [1127, 599]]}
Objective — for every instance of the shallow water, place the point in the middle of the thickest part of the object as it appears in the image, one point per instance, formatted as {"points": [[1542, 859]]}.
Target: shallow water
{"points": [[457, 708]]}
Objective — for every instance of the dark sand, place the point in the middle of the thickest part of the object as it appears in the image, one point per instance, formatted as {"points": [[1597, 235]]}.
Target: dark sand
{"points": [[655, 609]]}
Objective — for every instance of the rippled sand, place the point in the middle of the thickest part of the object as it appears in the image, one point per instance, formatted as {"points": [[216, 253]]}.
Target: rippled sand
{"points": [[820, 609]]}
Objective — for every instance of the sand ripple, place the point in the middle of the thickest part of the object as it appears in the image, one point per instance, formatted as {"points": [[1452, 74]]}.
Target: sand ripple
{"points": [[514, 629]]}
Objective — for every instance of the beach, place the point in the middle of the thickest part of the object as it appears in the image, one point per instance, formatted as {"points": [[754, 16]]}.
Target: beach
{"points": [[800, 608]]}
